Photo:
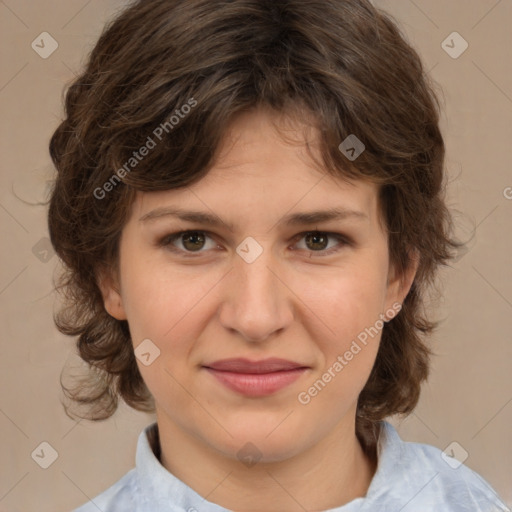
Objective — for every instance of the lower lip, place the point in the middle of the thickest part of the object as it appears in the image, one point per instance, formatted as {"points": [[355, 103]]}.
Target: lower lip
{"points": [[252, 384]]}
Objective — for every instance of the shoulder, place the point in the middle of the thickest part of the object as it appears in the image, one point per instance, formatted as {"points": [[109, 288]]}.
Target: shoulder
{"points": [[117, 498], [127, 493], [419, 475]]}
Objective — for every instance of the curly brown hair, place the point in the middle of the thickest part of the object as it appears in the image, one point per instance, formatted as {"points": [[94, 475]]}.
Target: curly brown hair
{"points": [[343, 63]]}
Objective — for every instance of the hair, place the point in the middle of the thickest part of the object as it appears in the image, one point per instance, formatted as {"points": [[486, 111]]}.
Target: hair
{"points": [[343, 63]]}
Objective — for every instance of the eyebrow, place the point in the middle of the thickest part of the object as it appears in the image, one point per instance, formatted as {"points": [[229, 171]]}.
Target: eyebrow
{"points": [[293, 219]]}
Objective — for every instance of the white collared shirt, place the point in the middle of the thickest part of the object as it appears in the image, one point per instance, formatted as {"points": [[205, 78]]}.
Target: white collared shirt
{"points": [[410, 477]]}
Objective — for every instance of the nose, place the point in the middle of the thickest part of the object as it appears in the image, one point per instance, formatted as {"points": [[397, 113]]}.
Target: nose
{"points": [[257, 303]]}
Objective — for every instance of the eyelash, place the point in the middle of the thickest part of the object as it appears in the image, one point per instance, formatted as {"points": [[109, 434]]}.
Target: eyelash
{"points": [[168, 239]]}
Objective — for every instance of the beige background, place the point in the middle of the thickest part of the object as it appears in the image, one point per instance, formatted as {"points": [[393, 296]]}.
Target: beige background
{"points": [[469, 396]]}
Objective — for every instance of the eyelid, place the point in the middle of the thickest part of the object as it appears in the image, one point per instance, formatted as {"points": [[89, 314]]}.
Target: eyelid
{"points": [[167, 240], [343, 241]]}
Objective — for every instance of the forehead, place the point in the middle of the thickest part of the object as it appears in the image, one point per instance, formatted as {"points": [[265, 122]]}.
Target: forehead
{"points": [[262, 171]]}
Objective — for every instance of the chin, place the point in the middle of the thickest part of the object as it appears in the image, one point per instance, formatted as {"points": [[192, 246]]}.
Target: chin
{"points": [[266, 445]]}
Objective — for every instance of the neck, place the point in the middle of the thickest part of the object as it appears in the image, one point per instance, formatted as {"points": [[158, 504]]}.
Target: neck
{"points": [[329, 474]]}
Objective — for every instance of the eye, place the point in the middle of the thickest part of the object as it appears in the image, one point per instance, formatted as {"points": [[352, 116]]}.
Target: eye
{"points": [[318, 241], [194, 241], [191, 241]]}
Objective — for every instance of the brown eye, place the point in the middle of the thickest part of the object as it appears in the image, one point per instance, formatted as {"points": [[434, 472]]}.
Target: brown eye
{"points": [[187, 242], [316, 241], [193, 241], [323, 243]]}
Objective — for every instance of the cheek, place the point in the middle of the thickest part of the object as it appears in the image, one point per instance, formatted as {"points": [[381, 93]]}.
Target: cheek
{"points": [[351, 308], [349, 304], [158, 299], [347, 301], [162, 306]]}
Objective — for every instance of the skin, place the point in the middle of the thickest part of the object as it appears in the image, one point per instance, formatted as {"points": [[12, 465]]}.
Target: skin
{"points": [[292, 302]]}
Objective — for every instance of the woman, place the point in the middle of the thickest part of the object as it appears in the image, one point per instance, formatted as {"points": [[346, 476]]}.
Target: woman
{"points": [[249, 205]]}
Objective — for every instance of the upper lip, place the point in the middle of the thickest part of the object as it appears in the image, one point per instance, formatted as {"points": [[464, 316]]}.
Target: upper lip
{"points": [[241, 365]]}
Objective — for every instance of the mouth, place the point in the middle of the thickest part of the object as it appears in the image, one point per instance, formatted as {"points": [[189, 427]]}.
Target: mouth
{"points": [[256, 378]]}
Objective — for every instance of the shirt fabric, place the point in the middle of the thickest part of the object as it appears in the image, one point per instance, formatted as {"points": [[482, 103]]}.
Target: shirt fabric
{"points": [[410, 477]]}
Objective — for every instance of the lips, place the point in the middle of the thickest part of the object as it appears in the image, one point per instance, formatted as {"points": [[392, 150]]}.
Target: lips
{"points": [[241, 365], [255, 378]]}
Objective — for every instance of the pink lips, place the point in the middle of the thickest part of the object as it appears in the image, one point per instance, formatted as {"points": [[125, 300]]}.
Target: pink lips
{"points": [[256, 378]]}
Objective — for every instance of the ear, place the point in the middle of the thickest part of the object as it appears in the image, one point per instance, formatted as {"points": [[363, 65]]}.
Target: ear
{"points": [[108, 283], [399, 284]]}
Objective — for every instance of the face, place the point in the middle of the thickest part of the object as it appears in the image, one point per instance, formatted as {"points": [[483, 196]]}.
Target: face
{"points": [[261, 283]]}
